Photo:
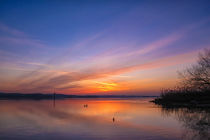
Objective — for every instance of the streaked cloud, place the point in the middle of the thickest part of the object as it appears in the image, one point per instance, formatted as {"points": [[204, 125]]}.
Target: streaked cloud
{"points": [[11, 31], [129, 50]]}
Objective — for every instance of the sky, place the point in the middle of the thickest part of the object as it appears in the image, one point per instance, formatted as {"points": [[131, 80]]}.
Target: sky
{"points": [[99, 47]]}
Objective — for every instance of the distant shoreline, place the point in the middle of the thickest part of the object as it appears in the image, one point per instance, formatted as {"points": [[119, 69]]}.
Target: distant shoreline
{"points": [[40, 96]]}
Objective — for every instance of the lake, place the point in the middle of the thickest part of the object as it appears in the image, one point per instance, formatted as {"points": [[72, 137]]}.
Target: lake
{"points": [[104, 119]]}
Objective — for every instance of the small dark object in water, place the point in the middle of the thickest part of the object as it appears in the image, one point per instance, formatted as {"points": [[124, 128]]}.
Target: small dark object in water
{"points": [[113, 119], [85, 105]]}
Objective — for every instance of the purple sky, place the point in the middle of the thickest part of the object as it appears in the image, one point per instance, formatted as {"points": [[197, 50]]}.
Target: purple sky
{"points": [[99, 47]]}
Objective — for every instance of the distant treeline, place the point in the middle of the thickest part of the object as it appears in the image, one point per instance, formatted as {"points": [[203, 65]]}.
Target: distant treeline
{"points": [[39, 96], [27, 96]]}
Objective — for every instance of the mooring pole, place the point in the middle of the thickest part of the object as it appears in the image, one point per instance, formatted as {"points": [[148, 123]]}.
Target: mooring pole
{"points": [[54, 98]]}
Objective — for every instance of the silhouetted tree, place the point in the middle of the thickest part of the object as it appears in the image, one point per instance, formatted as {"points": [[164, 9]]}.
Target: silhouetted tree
{"points": [[197, 77], [194, 88]]}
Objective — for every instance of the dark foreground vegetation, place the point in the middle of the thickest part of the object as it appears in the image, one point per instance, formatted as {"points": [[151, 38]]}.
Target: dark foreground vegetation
{"points": [[184, 99], [194, 87]]}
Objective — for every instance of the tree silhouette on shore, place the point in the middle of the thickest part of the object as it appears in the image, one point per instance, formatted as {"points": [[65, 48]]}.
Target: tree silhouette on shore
{"points": [[194, 88], [197, 77]]}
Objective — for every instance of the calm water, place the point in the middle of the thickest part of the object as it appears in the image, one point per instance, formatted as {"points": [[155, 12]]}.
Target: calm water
{"points": [[134, 119]]}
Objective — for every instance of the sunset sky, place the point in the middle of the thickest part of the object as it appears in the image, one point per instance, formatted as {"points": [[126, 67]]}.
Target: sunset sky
{"points": [[99, 47]]}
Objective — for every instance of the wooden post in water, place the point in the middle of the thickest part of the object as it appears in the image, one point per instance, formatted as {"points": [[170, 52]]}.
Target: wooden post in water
{"points": [[54, 98]]}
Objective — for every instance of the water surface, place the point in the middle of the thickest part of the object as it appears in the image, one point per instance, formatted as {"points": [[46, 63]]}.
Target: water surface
{"points": [[104, 119]]}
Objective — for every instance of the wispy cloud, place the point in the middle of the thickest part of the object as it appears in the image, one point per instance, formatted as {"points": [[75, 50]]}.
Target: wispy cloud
{"points": [[36, 64], [11, 31], [58, 81], [112, 62], [18, 38], [24, 41], [163, 42]]}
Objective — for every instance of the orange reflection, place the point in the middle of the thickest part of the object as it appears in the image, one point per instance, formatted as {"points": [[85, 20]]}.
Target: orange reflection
{"points": [[131, 115]]}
